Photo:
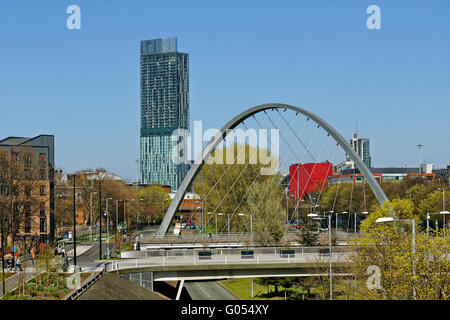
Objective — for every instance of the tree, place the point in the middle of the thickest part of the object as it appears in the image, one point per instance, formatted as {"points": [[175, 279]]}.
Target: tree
{"points": [[309, 235], [155, 200], [225, 188], [388, 248], [20, 187], [268, 214]]}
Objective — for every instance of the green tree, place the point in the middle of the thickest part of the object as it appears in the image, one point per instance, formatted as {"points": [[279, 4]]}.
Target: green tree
{"points": [[309, 235], [225, 187], [268, 214], [388, 246], [155, 201]]}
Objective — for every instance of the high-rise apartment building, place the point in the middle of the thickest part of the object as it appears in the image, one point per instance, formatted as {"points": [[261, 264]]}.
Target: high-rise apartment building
{"points": [[164, 108], [361, 146]]}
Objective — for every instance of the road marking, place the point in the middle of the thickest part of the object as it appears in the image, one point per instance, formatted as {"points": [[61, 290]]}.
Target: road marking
{"points": [[204, 291]]}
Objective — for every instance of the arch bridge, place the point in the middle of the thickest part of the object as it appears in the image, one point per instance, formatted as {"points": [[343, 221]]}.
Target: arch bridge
{"points": [[239, 119]]}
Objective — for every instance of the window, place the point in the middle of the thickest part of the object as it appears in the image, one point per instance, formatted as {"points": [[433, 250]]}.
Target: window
{"points": [[42, 209], [43, 224], [43, 190], [42, 159]]}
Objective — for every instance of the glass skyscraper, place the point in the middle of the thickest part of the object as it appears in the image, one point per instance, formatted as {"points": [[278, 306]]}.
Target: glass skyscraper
{"points": [[164, 108]]}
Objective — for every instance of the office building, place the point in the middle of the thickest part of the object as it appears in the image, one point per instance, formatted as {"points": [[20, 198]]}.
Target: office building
{"points": [[361, 147]]}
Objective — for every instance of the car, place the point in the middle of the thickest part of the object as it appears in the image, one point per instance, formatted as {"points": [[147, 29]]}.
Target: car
{"points": [[192, 226], [183, 225], [298, 226], [188, 223]]}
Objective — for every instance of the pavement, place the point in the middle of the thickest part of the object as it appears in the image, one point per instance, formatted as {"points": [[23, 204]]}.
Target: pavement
{"points": [[207, 290], [13, 282]]}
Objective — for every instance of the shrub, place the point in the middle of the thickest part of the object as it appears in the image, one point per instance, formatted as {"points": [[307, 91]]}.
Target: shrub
{"points": [[29, 287]]}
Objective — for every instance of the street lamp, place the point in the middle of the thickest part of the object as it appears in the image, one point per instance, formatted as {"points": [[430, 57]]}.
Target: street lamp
{"points": [[345, 212], [330, 259], [444, 212], [221, 214], [90, 216], [74, 222], [412, 221], [3, 254], [137, 212], [107, 228], [364, 212], [251, 224], [216, 220]]}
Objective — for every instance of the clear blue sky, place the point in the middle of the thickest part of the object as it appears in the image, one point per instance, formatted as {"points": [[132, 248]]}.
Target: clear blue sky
{"points": [[83, 85]]}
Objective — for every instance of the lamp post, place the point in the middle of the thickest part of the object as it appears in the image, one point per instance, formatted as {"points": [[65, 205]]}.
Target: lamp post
{"points": [[287, 206], [330, 257], [100, 216], [345, 212], [90, 216], [3, 254], [412, 221], [107, 227], [74, 222], [364, 212], [443, 212], [228, 216], [216, 221], [137, 211], [251, 225], [117, 224]]}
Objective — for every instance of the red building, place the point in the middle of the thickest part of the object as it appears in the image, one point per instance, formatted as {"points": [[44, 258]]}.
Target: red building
{"points": [[308, 177]]}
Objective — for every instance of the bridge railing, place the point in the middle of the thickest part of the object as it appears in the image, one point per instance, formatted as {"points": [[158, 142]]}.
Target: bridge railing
{"points": [[177, 253], [218, 257]]}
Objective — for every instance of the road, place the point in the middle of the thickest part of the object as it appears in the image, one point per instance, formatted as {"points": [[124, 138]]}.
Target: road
{"points": [[207, 290]]}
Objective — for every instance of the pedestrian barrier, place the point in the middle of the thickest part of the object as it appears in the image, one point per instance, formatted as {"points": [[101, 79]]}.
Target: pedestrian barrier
{"points": [[247, 254], [87, 284], [204, 254], [286, 253]]}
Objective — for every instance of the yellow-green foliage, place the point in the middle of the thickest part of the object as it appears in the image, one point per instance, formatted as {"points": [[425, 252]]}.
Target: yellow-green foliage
{"points": [[389, 247]]}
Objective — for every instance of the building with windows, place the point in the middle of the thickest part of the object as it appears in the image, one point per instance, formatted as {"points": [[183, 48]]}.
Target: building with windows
{"points": [[164, 108], [29, 162], [361, 147], [380, 174], [443, 175]]}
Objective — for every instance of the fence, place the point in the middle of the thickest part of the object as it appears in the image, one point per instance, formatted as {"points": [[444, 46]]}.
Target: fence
{"points": [[86, 285], [278, 251]]}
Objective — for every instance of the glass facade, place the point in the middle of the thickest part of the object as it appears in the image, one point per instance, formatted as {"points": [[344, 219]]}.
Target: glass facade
{"points": [[361, 146], [164, 108]]}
